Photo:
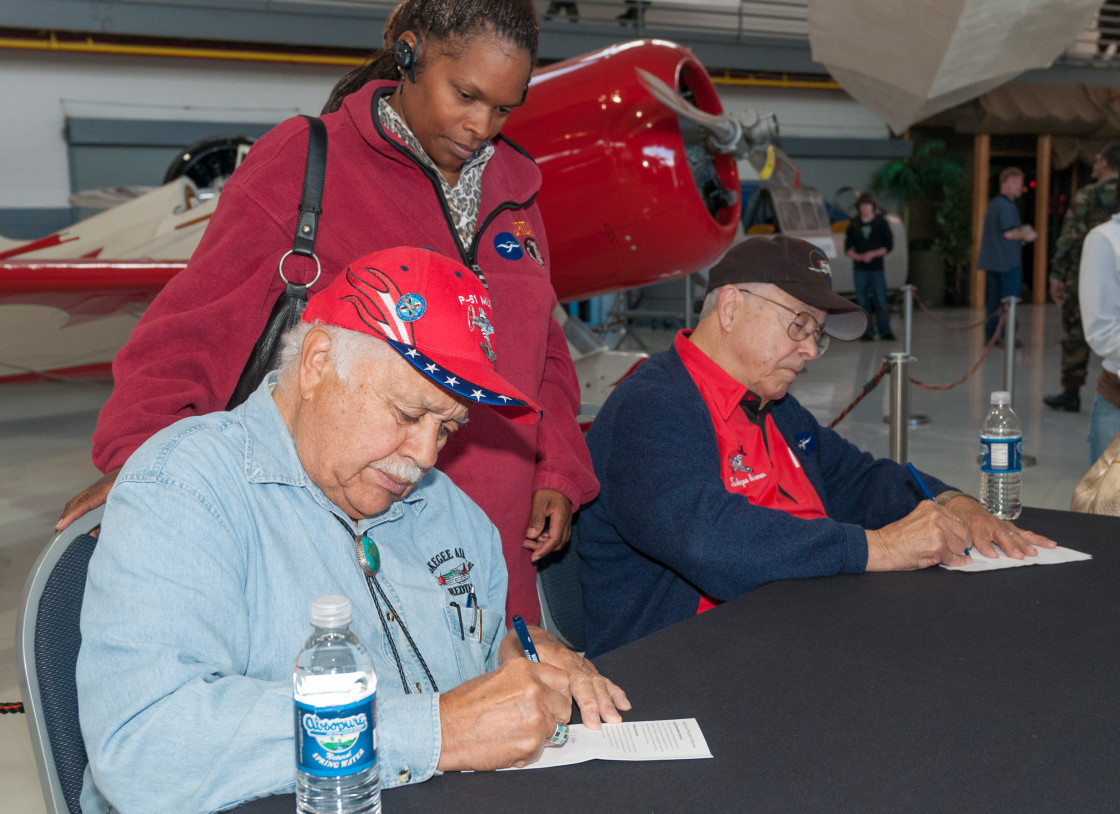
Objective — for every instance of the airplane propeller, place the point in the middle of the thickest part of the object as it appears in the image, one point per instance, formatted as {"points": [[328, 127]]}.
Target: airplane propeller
{"points": [[750, 138]]}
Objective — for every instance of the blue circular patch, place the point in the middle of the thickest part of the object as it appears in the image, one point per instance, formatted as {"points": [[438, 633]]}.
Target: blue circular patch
{"points": [[411, 307], [508, 246]]}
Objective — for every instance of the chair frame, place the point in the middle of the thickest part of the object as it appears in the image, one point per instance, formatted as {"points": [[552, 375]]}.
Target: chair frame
{"points": [[26, 624]]}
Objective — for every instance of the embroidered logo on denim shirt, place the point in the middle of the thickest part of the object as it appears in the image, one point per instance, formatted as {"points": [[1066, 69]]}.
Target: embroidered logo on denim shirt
{"points": [[452, 570]]}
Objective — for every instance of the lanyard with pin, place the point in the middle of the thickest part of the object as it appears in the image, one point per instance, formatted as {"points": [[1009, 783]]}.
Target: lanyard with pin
{"points": [[369, 560]]}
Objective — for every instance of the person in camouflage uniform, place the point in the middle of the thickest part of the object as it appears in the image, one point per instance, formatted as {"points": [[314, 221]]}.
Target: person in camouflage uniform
{"points": [[1092, 205]]}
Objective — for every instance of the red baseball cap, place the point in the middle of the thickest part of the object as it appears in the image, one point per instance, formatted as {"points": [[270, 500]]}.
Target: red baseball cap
{"points": [[431, 310]]}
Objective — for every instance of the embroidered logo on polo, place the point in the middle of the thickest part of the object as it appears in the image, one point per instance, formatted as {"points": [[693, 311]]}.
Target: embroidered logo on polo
{"points": [[818, 262], [508, 246], [737, 464], [741, 474], [452, 570], [411, 307]]}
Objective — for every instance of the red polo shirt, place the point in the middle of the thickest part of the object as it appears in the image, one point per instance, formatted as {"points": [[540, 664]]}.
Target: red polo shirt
{"points": [[754, 459]]}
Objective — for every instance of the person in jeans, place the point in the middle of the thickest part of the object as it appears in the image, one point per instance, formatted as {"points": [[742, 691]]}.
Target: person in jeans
{"points": [[1001, 246], [867, 242], [1099, 293]]}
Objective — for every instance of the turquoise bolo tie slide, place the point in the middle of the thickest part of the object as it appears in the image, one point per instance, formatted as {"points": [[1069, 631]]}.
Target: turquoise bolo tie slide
{"points": [[369, 558]]}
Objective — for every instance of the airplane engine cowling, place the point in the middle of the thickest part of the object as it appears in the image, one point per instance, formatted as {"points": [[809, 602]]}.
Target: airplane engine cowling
{"points": [[623, 204]]}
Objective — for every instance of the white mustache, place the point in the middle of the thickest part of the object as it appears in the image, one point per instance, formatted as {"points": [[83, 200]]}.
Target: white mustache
{"points": [[400, 470]]}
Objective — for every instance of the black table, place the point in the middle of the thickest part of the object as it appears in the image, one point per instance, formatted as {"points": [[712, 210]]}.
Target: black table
{"points": [[922, 691]]}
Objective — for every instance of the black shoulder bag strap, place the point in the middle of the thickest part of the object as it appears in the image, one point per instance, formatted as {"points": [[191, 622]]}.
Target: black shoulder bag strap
{"points": [[286, 312]]}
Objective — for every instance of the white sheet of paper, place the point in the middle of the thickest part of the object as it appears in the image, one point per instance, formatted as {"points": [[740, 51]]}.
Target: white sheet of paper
{"points": [[679, 739], [1046, 556]]}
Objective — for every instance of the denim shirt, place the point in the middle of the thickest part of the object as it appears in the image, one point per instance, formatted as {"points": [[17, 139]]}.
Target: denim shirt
{"points": [[213, 546]]}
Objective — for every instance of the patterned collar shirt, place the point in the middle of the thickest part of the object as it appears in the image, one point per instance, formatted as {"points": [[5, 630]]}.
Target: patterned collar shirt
{"points": [[463, 199]]}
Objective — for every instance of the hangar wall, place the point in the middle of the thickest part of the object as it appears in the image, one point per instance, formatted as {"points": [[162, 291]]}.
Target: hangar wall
{"points": [[43, 90]]}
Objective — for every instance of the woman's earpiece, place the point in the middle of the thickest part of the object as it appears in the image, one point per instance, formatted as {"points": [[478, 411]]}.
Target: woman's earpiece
{"points": [[405, 58]]}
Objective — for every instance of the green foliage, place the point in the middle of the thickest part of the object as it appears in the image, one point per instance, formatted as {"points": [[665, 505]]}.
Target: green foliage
{"points": [[954, 239], [925, 174], [930, 176]]}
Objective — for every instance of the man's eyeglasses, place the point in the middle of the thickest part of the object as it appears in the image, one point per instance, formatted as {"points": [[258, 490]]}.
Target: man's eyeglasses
{"points": [[803, 325]]}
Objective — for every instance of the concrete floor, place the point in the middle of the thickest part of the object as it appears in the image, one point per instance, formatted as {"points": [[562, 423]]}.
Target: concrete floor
{"points": [[45, 429]]}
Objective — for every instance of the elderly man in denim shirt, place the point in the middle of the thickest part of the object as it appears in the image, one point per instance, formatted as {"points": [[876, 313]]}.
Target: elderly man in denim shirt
{"points": [[222, 529]]}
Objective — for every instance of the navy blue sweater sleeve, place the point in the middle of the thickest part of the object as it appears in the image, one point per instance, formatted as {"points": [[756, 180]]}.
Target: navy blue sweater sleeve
{"points": [[854, 486]]}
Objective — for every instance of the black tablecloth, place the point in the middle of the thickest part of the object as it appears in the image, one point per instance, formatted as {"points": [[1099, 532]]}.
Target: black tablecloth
{"points": [[922, 691]]}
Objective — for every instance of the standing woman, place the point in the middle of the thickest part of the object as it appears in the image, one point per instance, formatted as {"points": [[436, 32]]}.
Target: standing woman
{"points": [[415, 158]]}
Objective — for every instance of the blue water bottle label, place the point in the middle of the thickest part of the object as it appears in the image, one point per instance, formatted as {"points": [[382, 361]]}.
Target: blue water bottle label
{"points": [[1001, 455], [332, 741]]}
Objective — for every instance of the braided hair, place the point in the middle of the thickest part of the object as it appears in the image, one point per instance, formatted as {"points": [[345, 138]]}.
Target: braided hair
{"points": [[448, 23]]}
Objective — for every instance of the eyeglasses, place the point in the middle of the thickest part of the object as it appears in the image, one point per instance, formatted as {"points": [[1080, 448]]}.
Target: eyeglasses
{"points": [[803, 325]]}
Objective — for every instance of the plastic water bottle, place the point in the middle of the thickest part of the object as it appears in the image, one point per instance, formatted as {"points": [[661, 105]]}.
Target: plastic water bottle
{"points": [[1001, 459], [336, 722]]}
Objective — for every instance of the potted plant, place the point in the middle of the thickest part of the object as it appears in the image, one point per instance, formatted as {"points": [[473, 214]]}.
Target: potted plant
{"points": [[920, 184], [954, 239]]}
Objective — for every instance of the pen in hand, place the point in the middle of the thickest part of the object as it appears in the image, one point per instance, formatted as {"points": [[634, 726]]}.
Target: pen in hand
{"points": [[560, 735], [527, 645], [921, 484]]}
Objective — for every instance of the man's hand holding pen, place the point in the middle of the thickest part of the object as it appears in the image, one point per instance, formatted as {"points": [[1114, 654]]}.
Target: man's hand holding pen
{"points": [[506, 717]]}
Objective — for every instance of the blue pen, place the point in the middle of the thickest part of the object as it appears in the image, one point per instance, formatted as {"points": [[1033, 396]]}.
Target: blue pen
{"points": [[921, 483], [526, 640], [924, 489]]}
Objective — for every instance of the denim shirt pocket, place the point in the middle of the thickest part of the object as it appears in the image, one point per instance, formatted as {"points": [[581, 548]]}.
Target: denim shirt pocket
{"points": [[474, 640]]}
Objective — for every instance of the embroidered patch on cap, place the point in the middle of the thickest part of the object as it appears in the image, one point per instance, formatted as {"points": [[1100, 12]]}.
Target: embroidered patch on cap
{"points": [[818, 262], [411, 307]]}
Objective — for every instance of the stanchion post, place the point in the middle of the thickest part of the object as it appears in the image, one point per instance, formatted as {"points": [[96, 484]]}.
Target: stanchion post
{"points": [[900, 406], [909, 293], [1009, 345], [908, 313]]}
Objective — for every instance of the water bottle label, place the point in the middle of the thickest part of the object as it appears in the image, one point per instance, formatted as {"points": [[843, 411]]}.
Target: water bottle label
{"points": [[332, 741], [1001, 455]]}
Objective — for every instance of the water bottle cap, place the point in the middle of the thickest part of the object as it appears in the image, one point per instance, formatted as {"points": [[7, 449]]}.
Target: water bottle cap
{"points": [[1001, 397], [331, 611]]}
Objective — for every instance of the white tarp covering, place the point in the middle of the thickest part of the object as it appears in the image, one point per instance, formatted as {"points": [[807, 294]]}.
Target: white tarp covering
{"points": [[909, 59]]}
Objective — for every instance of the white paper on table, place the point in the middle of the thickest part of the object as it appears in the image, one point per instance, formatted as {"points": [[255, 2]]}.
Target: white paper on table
{"points": [[679, 739], [1046, 556]]}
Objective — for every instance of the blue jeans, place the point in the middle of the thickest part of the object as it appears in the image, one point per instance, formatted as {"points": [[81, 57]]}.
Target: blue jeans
{"points": [[1104, 423], [1001, 284], [871, 294]]}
